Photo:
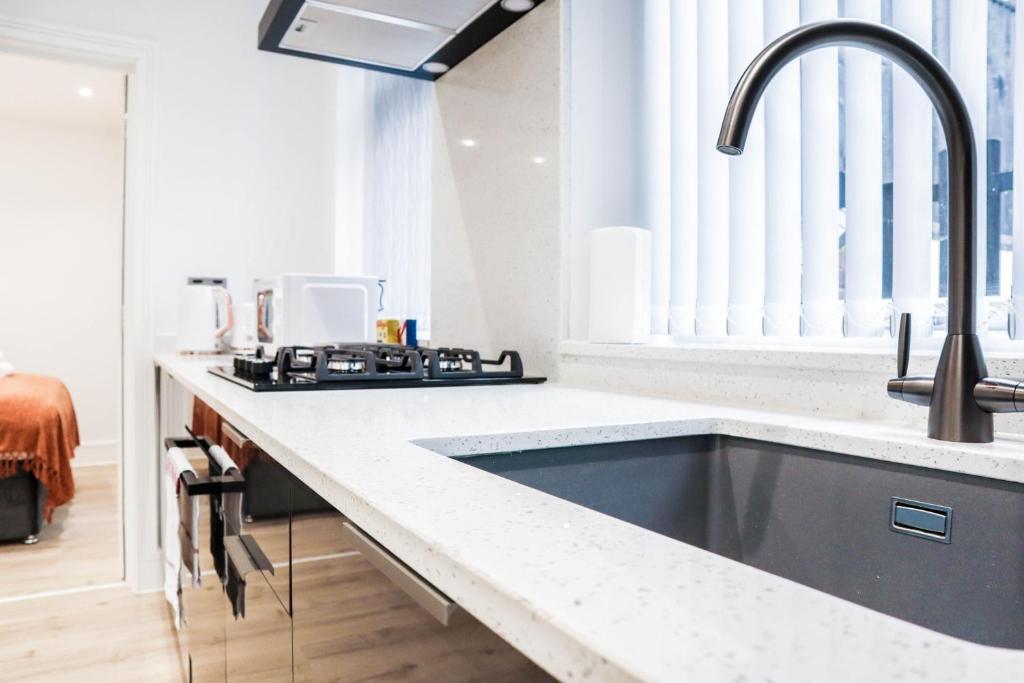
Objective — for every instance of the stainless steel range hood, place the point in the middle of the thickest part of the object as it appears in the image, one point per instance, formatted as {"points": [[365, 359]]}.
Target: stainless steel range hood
{"points": [[417, 38]]}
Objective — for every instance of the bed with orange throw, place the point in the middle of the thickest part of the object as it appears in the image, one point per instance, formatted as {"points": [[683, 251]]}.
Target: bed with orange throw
{"points": [[38, 436]]}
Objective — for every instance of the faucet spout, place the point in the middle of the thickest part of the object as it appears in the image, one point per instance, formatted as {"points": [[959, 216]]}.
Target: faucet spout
{"points": [[941, 90], [954, 414]]}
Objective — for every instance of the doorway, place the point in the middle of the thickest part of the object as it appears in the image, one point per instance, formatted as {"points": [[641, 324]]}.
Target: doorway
{"points": [[62, 187]]}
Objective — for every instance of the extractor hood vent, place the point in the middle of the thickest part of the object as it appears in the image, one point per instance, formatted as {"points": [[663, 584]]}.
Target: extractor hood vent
{"points": [[417, 38]]}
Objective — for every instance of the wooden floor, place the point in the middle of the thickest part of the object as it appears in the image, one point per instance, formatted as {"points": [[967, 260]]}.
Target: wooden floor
{"points": [[79, 630], [82, 547], [109, 635]]}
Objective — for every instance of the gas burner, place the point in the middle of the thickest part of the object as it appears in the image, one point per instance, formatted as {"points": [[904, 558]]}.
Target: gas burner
{"points": [[449, 364], [446, 362], [346, 364]]}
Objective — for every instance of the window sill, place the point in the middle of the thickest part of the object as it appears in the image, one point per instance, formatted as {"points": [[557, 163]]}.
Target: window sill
{"points": [[867, 356]]}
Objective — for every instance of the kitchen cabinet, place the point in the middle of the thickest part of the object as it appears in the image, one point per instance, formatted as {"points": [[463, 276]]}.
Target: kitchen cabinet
{"points": [[236, 626], [324, 601]]}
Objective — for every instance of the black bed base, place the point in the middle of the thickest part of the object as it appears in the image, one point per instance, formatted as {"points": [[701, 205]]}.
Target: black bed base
{"points": [[22, 499]]}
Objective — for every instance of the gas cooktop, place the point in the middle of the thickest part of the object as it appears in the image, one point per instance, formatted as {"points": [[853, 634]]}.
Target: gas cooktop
{"points": [[372, 366]]}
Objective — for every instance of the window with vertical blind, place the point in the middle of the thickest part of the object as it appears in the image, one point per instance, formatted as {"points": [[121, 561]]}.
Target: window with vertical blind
{"points": [[834, 220]]}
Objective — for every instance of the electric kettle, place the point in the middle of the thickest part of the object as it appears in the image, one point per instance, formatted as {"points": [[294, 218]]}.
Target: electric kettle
{"points": [[204, 315]]}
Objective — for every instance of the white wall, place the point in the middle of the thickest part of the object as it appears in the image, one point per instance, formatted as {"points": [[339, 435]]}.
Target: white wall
{"points": [[244, 174], [496, 243], [60, 259], [350, 170]]}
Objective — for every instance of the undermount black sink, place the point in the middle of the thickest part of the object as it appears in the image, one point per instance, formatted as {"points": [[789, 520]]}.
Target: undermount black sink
{"points": [[938, 549]]}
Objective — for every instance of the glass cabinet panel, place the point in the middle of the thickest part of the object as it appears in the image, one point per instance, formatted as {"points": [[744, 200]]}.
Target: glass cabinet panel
{"points": [[258, 633], [352, 622]]}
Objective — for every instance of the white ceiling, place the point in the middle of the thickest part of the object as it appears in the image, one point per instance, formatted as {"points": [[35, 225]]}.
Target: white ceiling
{"points": [[46, 91]]}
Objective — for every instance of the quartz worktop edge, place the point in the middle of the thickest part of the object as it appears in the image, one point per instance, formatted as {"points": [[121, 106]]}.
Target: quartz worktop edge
{"points": [[603, 601]]}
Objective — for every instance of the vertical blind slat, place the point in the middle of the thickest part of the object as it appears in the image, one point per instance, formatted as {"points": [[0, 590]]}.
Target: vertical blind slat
{"points": [[968, 38], [819, 83], [712, 169], [863, 99], [782, 182], [746, 185], [912, 179], [657, 155], [683, 135]]}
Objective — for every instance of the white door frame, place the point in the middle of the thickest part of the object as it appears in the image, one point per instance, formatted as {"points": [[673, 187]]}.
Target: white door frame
{"points": [[139, 471]]}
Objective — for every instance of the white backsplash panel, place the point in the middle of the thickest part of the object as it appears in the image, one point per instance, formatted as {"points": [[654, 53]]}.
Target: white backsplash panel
{"points": [[496, 213]]}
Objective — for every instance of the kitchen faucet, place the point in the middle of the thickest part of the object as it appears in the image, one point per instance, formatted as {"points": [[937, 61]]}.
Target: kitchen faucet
{"points": [[960, 397]]}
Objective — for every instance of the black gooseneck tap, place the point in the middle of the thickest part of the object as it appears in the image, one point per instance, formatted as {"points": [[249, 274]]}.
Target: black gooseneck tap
{"points": [[960, 398]]}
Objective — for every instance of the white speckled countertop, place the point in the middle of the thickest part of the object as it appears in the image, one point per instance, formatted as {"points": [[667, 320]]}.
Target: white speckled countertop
{"points": [[586, 596]]}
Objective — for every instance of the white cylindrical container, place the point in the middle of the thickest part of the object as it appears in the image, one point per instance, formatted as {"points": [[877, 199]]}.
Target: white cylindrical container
{"points": [[620, 285]]}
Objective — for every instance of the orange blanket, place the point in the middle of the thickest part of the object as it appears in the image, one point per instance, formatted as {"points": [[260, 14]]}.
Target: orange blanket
{"points": [[38, 434]]}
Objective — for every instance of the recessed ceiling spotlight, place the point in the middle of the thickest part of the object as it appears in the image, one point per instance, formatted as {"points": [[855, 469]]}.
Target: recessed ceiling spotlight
{"points": [[435, 67], [517, 5], [85, 91], [468, 142], [539, 160]]}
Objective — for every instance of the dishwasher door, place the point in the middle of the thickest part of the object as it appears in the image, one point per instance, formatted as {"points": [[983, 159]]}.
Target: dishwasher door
{"points": [[363, 615]]}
